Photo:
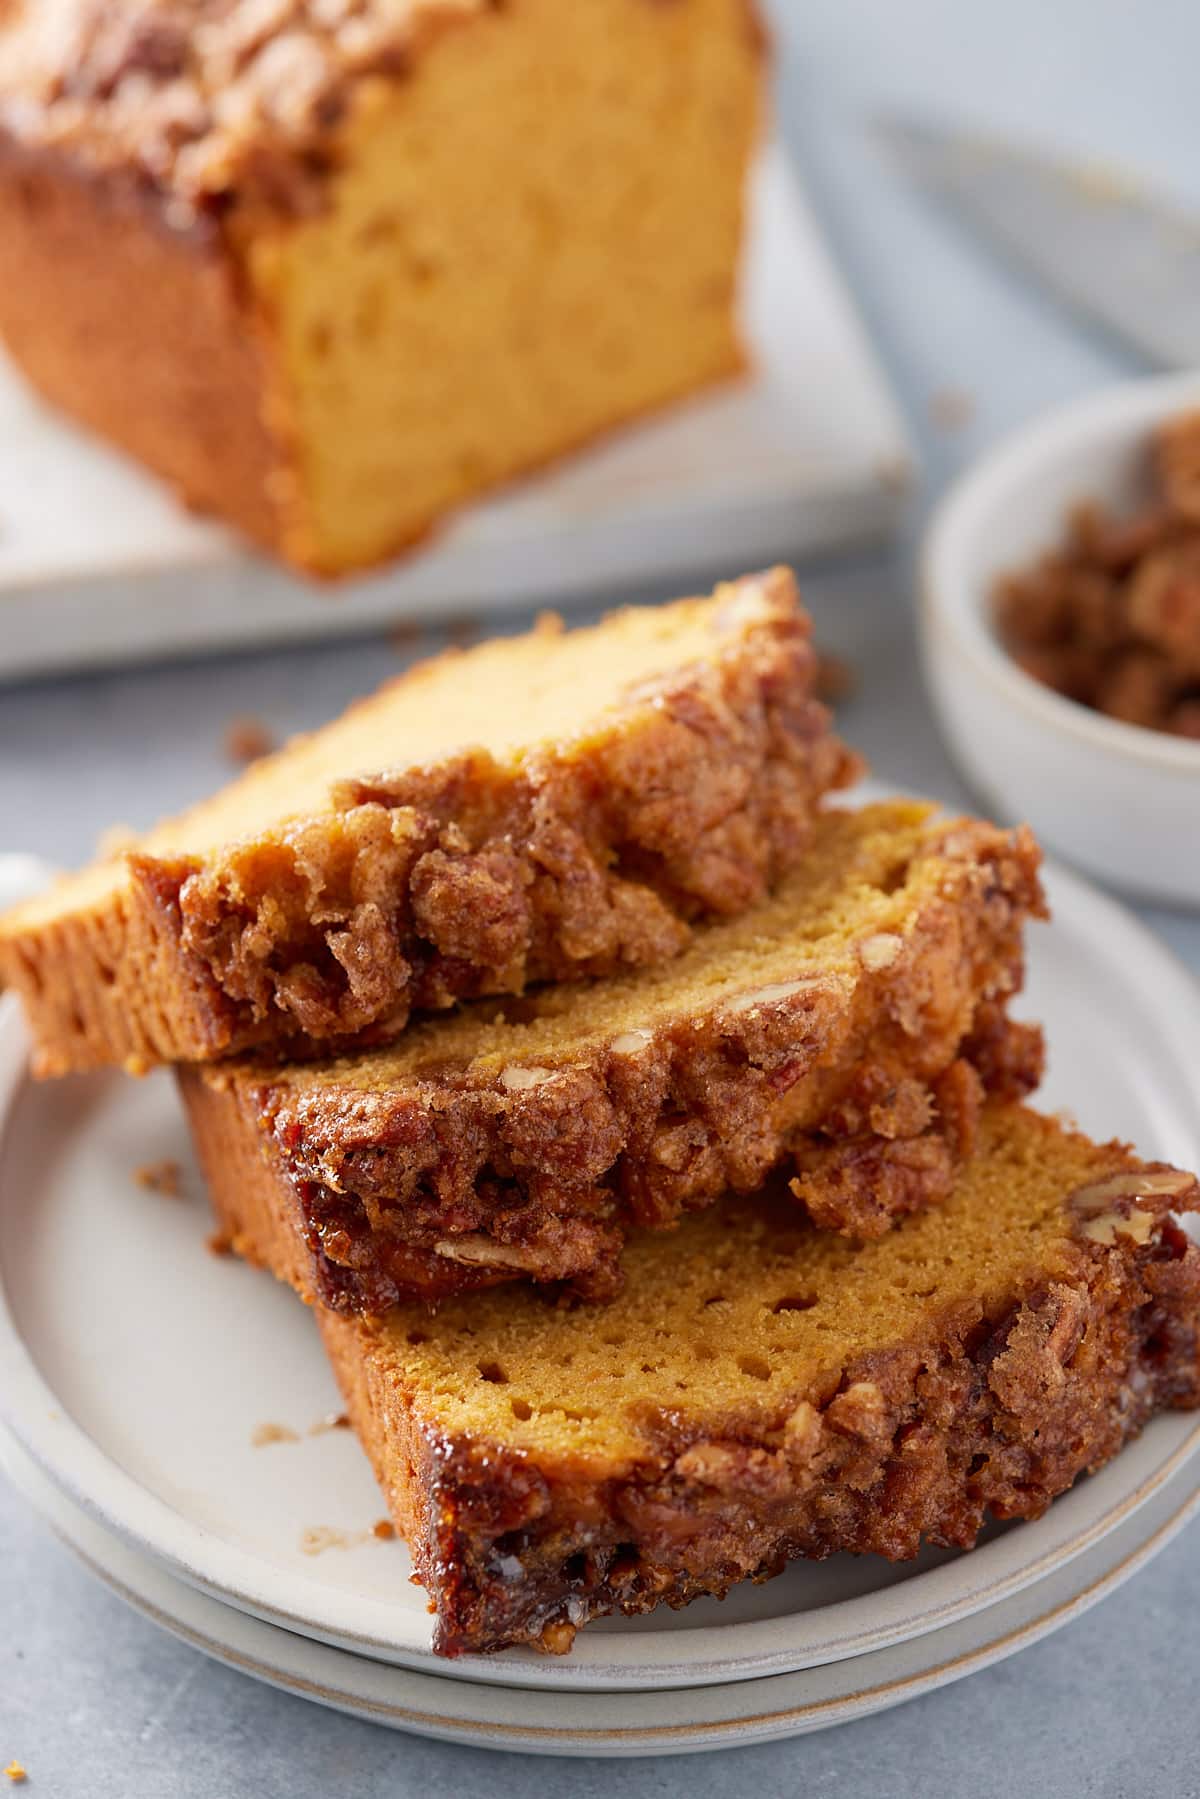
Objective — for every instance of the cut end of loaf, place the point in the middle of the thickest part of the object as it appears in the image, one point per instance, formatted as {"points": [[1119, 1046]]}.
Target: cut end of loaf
{"points": [[420, 261]]}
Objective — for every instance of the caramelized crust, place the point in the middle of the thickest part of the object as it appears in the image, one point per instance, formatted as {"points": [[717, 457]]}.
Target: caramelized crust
{"points": [[797, 1396], [861, 1009], [317, 898]]}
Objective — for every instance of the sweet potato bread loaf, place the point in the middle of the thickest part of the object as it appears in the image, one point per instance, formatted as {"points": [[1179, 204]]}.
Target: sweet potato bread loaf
{"points": [[863, 1004], [536, 808], [763, 1390], [332, 266]]}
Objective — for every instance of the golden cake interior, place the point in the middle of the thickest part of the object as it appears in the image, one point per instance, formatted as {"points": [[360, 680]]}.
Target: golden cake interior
{"points": [[862, 877], [532, 235], [740, 1313]]}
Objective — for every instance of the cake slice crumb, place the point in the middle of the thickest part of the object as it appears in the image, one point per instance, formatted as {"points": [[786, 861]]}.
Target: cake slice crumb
{"points": [[317, 1538], [835, 679], [951, 409], [265, 1434], [165, 1177], [246, 740], [331, 1421]]}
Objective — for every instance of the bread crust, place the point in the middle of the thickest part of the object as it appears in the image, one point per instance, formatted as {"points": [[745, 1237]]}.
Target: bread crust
{"points": [[141, 330], [991, 1408], [690, 799], [475, 1175]]}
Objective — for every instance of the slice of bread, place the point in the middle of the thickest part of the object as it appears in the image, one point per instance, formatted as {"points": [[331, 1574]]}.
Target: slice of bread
{"points": [[537, 808], [762, 1390], [863, 1004]]}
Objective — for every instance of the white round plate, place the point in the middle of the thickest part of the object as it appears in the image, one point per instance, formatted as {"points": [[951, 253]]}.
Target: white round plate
{"points": [[734, 1714], [137, 1370]]}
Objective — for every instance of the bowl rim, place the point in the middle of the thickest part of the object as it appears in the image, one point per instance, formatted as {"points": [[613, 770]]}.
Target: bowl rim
{"points": [[1126, 410]]}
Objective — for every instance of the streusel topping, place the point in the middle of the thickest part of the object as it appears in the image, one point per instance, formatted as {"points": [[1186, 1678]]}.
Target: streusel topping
{"points": [[195, 96]]}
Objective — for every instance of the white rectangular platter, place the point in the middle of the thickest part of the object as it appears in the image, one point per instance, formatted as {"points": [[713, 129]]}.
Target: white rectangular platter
{"points": [[98, 565]]}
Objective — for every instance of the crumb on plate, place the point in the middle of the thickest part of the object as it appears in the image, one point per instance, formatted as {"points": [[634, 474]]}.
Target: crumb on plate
{"points": [[836, 679], [406, 634], [246, 739], [462, 631], [165, 1177], [331, 1421], [894, 474], [951, 408], [264, 1434]]}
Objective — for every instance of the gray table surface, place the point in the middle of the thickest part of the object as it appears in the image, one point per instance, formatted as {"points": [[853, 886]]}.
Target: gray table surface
{"points": [[98, 1703]]}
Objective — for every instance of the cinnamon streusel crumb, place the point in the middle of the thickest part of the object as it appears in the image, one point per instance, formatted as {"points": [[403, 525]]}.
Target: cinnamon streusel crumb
{"points": [[164, 1177], [246, 739]]}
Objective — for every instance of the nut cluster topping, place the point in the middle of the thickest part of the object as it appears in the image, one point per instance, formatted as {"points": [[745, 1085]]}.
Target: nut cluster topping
{"points": [[1106, 1227], [773, 994], [520, 1080], [479, 1250], [1112, 617], [1108, 1209], [880, 951]]}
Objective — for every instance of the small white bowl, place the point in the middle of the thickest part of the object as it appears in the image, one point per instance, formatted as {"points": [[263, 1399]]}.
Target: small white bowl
{"points": [[1120, 801]]}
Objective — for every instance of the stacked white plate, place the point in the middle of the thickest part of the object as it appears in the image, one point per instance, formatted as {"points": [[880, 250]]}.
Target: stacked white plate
{"points": [[167, 1410]]}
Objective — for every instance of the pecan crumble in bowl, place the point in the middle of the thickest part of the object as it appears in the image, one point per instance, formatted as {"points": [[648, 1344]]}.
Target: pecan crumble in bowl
{"points": [[1061, 632]]}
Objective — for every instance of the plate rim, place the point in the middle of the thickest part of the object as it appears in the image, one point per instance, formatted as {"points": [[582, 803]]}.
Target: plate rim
{"points": [[717, 1652], [308, 1668]]}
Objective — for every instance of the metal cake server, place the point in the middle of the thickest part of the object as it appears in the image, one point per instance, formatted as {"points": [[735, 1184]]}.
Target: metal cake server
{"points": [[1106, 247]]}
